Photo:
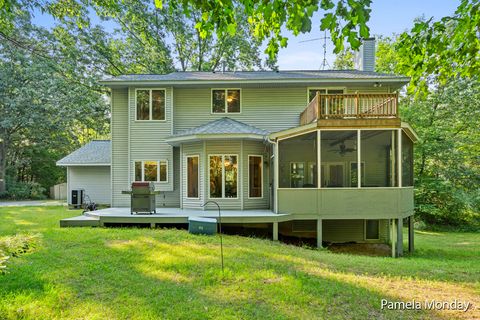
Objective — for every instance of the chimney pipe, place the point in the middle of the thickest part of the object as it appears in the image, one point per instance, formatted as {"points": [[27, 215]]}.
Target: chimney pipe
{"points": [[365, 56]]}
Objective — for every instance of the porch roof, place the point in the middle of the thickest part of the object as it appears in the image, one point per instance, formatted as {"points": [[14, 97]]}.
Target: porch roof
{"points": [[224, 128]]}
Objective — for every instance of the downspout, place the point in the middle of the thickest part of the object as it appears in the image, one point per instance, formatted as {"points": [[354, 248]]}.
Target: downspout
{"points": [[275, 170]]}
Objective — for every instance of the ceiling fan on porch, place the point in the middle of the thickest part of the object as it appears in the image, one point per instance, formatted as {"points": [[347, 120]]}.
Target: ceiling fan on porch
{"points": [[342, 149]]}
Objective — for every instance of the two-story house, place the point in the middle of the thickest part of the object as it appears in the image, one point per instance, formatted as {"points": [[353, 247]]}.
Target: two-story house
{"points": [[324, 153]]}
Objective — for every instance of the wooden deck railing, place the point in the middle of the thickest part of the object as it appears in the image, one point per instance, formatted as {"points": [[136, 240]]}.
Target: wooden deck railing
{"points": [[350, 106]]}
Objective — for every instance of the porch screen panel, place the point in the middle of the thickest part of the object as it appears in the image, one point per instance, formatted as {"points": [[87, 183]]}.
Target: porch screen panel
{"points": [[231, 175], [339, 161], [192, 177], [297, 161], [216, 176], [407, 161], [255, 176], [379, 154]]}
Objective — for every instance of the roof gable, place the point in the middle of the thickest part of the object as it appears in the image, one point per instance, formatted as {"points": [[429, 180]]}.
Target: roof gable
{"points": [[96, 152]]}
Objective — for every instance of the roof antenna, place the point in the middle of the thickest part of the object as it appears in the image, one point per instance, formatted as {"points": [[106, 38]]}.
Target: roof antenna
{"points": [[324, 38]]}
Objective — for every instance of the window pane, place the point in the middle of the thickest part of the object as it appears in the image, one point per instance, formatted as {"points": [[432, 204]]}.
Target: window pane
{"points": [[371, 229], [231, 169], [143, 101], [218, 101], [379, 149], [216, 177], [255, 177], [407, 161], [338, 151], [138, 171], [233, 100], [150, 170], [313, 92], [163, 170], [192, 177], [158, 104], [298, 161]]}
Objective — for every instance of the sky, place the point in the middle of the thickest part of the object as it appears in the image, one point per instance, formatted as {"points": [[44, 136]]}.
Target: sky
{"points": [[386, 18]]}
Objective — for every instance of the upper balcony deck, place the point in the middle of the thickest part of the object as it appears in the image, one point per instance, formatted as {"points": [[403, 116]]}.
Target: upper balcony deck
{"points": [[351, 106]]}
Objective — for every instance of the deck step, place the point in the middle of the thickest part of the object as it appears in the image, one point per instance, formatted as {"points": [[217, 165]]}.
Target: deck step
{"points": [[80, 221]]}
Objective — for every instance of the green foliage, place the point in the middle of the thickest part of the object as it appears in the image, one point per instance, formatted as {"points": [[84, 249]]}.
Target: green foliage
{"points": [[23, 190], [447, 166], [344, 60], [345, 20], [437, 51], [50, 103]]}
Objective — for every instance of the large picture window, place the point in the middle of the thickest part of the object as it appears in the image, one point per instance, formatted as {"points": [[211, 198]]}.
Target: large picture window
{"points": [[192, 177], [150, 104], [223, 176], [255, 176], [151, 170], [226, 101]]}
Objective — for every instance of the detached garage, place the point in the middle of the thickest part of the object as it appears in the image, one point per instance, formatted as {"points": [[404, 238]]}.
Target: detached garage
{"points": [[88, 168]]}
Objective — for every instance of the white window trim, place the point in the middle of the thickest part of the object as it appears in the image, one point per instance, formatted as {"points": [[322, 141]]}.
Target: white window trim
{"points": [[150, 105], [158, 170], [226, 104], [323, 88], [365, 230], [261, 161], [222, 155], [186, 176]]}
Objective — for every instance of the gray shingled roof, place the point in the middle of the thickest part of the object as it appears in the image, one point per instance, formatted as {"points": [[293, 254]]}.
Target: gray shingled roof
{"points": [[255, 75], [223, 126], [96, 152]]}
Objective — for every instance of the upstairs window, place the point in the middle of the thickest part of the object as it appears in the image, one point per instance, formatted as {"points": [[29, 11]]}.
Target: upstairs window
{"points": [[150, 104], [226, 101], [150, 170]]}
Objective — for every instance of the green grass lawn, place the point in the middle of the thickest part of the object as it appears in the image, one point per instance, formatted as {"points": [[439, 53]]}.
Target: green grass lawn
{"points": [[97, 273]]}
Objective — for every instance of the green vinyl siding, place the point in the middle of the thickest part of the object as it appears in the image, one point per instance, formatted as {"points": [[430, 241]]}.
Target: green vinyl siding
{"points": [[119, 129], [147, 139], [271, 109], [347, 203]]}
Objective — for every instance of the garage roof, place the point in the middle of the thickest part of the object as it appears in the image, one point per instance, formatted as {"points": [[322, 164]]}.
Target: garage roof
{"points": [[94, 153]]}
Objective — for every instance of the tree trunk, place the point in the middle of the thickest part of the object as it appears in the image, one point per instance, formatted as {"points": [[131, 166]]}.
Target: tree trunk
{"points": [[3, 161]]}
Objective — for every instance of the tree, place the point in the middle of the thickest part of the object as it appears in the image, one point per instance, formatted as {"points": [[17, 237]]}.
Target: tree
{"points": [[345, 20], [435, 52], [46, 102], [447, 166], [344, 60]]}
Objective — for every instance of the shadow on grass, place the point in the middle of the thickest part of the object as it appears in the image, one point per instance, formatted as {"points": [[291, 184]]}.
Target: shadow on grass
{"points": [[142, 276]]}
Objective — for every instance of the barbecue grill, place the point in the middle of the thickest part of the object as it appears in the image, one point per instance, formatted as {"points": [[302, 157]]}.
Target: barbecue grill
{"points": [[142, 197]]}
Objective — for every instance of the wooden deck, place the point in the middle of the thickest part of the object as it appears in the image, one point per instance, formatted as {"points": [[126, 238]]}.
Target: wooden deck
{"points": [[122, 216]]}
